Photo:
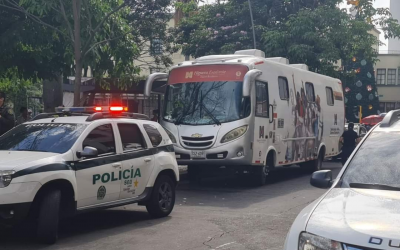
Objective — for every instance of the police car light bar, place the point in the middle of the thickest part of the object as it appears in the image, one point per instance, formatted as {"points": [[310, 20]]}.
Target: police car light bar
{"points": [[90, 110]]}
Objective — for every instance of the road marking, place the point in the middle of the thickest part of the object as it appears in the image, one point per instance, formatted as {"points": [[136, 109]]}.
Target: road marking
{"points": [[224, 245]]}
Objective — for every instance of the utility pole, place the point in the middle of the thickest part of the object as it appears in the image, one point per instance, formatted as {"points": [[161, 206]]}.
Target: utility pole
{"points": [[252, 24]]}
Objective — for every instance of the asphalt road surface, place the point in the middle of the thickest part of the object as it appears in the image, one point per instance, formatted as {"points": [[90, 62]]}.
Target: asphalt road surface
{"points": [[219, 213]]}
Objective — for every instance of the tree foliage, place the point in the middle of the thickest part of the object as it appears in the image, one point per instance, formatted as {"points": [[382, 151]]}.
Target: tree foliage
{"points": [[107, 36]]}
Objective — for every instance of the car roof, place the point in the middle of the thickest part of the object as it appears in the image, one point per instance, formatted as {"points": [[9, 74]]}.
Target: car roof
{"points": [[83, 120]]}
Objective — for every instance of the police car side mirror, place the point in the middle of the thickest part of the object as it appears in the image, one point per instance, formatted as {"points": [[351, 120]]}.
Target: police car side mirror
{"points": [[88, 152], [322, 179]]}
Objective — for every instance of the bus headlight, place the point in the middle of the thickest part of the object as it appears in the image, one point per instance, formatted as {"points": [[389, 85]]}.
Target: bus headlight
{"points": [[313, 242], [6, 177], [234, 134], [171, 136]]}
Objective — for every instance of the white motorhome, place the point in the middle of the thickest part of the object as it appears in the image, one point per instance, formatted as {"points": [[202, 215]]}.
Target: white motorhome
{"points": [[251, 113]]}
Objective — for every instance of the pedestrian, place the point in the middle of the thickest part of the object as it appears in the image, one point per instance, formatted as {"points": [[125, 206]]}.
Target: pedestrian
{"points": [[7, 119], [155, 116], [349, 140], [25, 115]]}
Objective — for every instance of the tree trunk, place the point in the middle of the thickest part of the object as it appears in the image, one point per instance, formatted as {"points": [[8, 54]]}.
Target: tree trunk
{"points": [[76, 6], [58, 91]]}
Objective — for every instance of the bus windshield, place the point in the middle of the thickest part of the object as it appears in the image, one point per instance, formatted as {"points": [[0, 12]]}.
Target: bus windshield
{"points": [[205, 103]]}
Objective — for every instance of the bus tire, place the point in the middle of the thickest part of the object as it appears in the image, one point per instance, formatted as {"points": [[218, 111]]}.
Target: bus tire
{"points": [[47, 228], [261, 173], [314, 165]]}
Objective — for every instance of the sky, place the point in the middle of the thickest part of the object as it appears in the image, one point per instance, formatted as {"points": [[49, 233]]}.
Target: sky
{"points": [[377, 4]]}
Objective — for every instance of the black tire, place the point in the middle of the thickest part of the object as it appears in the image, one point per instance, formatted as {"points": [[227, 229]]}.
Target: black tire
{"points": [[314, 165], [48, 219], [261, 173], [260, 176], [162, 199], [194, 173]]}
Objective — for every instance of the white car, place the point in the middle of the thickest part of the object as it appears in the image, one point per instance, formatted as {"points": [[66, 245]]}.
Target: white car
{"points": [[68, 163], [362, 207]]}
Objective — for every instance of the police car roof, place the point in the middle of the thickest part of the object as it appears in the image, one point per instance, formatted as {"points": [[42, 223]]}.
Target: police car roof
{"points": [[67, 119], [83, 120]]}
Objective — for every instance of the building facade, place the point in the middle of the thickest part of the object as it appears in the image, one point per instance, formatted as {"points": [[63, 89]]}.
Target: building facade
{"points": [[387, 69]]}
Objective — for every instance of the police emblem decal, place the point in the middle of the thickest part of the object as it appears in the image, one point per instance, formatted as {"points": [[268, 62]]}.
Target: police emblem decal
{"points": [[101, 193]]}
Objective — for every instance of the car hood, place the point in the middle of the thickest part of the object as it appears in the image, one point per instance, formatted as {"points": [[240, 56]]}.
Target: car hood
{"points": [[354, 216], [11, 160]]}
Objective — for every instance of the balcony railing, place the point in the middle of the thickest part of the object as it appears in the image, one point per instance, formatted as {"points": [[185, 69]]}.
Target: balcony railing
{"points": [[389, 52]]}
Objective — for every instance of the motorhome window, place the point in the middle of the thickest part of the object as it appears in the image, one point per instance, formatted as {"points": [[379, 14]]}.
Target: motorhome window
{"points": [[283, 88], [262, 102], [329, 96], [205, 103], [310, 92]]}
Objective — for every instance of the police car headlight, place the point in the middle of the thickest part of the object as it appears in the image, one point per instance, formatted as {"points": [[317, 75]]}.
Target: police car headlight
{"points": [[234, 134], [313, 242], [171, 136], [6, 177]]}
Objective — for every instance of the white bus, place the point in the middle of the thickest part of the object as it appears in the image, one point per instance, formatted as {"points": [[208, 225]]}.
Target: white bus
{"points": [[251, 113]]}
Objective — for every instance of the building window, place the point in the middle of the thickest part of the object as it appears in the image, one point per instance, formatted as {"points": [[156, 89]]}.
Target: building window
{"points": [[156, 47], [398, 77], [283, 88], [392, 76], [390, 106], [154, 70], [382, 107], [381, 76]]}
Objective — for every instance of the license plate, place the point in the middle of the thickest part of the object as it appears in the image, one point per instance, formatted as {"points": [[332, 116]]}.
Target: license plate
{"points": [[198, 154]]}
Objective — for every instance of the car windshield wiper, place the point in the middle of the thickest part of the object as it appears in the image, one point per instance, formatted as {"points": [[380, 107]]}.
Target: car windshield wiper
{"points": [[210, 114], [374, 186]]}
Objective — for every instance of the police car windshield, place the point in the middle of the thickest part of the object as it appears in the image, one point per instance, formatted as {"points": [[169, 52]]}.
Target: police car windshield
{"points": [[376, 162], [41, 137]]}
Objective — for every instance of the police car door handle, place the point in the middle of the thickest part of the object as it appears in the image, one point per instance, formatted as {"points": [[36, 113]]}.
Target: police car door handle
{"points": [[116, 165], [147, 159]]}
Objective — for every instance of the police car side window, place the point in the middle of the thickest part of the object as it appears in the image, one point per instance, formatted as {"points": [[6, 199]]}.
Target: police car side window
{"points": [[131, 137], [154, 135], [101, 138]]}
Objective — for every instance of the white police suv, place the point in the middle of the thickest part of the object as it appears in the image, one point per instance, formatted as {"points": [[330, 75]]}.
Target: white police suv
{"points": [[361, 210], [80, 159]]}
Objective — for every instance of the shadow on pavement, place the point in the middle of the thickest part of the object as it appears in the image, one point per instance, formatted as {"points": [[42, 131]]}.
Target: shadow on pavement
{"points": [[238, 191], [81, 229]]}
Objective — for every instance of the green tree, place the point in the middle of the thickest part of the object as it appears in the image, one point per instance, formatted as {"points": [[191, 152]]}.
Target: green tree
{"points": [[105, 35]]}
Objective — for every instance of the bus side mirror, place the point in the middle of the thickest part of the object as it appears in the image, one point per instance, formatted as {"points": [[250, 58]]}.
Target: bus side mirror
{"points": [[248, 80], [151, 79]]}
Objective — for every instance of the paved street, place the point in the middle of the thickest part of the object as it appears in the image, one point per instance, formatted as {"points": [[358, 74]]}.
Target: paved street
{"points": [[220, 213]]}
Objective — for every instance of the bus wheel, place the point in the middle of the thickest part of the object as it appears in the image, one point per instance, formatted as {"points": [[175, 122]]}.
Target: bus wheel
{"points": [[261, 173], [314, 165]]}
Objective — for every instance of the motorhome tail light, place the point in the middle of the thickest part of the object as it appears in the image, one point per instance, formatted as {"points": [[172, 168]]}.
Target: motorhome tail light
{"points": [[98, 108], [118, 109]]}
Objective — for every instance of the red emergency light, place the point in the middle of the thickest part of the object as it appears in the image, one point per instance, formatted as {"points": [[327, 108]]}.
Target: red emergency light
{"points": [[118, 109]]}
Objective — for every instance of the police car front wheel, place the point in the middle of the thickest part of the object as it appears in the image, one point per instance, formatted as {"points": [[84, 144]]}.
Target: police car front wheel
{"points": [[162, 200], [47, 228]]}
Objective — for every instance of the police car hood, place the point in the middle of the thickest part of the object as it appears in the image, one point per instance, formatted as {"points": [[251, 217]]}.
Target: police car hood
{"points": [[14, 160], [354, 216]]}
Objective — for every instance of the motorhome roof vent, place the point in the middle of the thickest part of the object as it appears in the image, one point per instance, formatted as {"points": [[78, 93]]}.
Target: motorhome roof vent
{"points": [[251, 52], [300, 66], [278, 60]]}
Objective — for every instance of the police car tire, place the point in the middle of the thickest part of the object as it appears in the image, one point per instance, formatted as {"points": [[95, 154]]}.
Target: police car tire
{"points": [[47, 228], [153, 206]]}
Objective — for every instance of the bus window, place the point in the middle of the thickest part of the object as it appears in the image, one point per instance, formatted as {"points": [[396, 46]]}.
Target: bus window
{"points": [[310, 92], [329, 96], [283, 88], [262, 99]]}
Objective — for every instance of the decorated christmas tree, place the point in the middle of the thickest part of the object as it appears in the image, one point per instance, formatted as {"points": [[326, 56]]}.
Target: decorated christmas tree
{"points": [[360, 89]]}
